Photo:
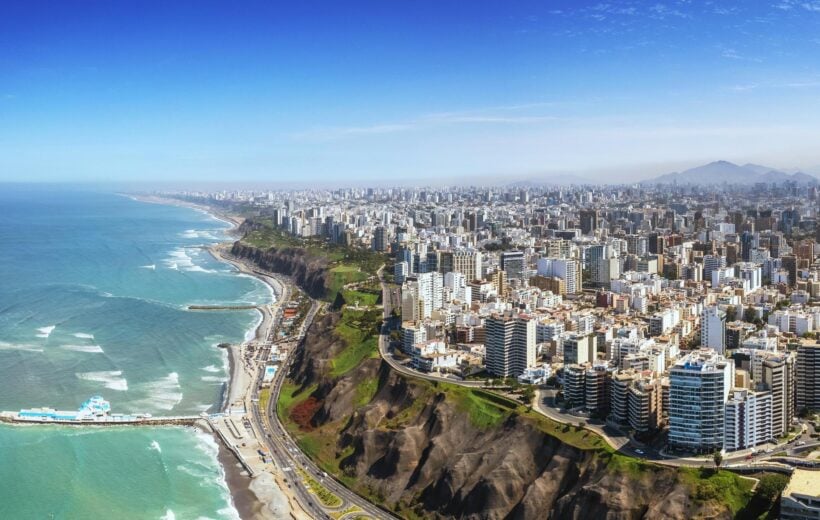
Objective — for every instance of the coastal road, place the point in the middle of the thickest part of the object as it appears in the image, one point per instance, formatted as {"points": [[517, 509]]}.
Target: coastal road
{"points": [[287, 454], [291, 451], [544, 403]]}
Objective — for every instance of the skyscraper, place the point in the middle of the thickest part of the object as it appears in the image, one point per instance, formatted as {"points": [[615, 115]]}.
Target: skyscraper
{"points": [[699, 386], [510, 344], [748, 419], [713, 328], [777, 375], [808, 377], [513, 263], [380, 239], [589, 221]]}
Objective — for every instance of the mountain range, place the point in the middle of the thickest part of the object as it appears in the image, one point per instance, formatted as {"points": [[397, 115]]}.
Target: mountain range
{"points": [[720, 172]]}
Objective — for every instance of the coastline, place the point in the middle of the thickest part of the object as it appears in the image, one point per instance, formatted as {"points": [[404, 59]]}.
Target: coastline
{"points": [[229, 218], [263, 496]]}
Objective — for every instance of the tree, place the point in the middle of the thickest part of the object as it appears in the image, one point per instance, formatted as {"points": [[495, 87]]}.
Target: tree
{"points": [[718, 458], [528, 395], [749, 315], [771, 485], [731, 313]]}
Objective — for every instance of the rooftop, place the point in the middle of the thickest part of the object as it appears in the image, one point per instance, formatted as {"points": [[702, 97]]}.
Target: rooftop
{"points": [[804, 482]]}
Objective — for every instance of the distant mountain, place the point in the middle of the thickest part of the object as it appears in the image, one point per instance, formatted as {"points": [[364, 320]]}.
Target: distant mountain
{"points": [[720, 172]]}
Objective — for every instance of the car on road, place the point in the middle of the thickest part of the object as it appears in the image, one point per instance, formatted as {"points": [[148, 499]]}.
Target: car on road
{"points": [[639, 452]]}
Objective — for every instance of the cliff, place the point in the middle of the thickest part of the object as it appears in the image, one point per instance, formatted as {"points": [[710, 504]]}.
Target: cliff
{"points": [[308, 271], [427, 450]]}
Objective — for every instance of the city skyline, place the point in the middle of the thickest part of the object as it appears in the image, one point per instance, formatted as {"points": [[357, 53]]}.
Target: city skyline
{"points": [[272, 94]]}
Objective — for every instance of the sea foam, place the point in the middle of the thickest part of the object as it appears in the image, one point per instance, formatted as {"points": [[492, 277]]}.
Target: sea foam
{"points": [[165, 393], [110, 378], [83, 335], [18, 346], [90, 349], [44, 332]]}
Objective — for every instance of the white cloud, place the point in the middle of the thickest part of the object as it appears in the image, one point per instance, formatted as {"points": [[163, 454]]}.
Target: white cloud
{"points": [[497, 115]]}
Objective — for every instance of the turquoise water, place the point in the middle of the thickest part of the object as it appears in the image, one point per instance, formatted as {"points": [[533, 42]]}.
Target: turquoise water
{"points": [[93, 295]]}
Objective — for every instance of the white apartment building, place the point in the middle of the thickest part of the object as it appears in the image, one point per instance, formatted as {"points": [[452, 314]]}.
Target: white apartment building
{"points": [[699, 386], [567, 269], [713, 328], [747, 420]]}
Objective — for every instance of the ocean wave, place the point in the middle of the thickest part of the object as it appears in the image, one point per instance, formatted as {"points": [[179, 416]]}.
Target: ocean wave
{"points": [[155, 446], [180, 260], [198, 269], [229, 512], [164, 393], [200, 472], [91, 349], [169, 515], [19, 346], [212, 368], [44, 332], [264, 286], [110, 378], [213, 379], [83, 335], [208, 446], [152, 266], [250, 334], [200, 234]]}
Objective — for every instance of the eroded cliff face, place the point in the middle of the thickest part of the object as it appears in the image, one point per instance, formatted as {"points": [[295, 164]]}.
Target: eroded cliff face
{"points": [[413, 447], [309, 272]]}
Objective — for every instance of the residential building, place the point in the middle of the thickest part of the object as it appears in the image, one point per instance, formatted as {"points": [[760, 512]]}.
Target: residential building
{"points": [[510, 345], [699, 386]]}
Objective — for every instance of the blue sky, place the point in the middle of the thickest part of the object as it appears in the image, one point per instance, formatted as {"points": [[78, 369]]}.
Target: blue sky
{"points": [[343, 91]]}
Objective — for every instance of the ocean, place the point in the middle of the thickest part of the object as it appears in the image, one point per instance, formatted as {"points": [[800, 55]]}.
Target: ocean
{"points": [[94, 289]]}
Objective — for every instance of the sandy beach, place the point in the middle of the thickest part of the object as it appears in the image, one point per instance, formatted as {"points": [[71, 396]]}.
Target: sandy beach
{"points": [[234, 220], [264, 496]]}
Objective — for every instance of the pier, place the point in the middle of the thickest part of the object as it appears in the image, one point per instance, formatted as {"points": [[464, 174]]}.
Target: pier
{"points": [[178, 420], [224, 307]]}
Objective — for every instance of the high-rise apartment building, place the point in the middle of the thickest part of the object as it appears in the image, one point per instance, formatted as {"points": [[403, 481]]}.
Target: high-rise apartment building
{"points": [[699, 386], [579, 349], [567, 269], [510, 344], [777, 375], [807, 378], [713, 328], [747, 420], [514, 264]]}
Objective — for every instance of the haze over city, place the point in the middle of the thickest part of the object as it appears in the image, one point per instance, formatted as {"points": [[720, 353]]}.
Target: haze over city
{"points": [[416, 92]]}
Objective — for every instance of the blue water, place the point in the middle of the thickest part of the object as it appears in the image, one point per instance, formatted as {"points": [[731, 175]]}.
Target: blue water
{"points": [[94, 289]]}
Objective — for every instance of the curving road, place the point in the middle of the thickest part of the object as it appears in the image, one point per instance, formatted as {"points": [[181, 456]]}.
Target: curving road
{"points": [[290, 456], [544, 405]]}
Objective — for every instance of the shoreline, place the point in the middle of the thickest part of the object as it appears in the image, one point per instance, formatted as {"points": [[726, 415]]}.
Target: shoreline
{"points": [[229, 218], [263, 496]]}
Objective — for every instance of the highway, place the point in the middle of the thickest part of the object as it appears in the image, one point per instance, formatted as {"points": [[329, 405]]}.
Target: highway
{"points": [[286, 452]]}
